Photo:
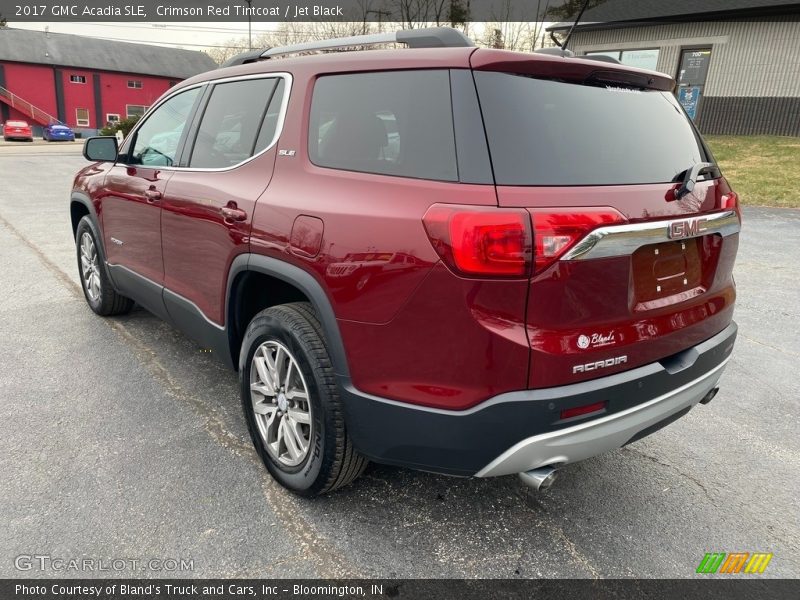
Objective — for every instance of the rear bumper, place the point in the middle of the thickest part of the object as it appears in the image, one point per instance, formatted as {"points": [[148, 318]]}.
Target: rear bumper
{"points": [[519, 431]]}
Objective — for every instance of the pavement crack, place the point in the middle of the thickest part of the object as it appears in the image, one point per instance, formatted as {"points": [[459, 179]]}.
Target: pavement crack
{"points": [[71, 286], [770, 346], [534, 505], [330, 563], [672, 467], [572, 549]]}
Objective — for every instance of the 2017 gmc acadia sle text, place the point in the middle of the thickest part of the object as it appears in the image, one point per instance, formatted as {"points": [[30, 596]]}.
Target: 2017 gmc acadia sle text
{"points": [[468, 261]]}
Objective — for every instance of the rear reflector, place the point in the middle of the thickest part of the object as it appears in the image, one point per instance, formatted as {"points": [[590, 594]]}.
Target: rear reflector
{"points": [[481, 242], [568, 413], [556, 230]]}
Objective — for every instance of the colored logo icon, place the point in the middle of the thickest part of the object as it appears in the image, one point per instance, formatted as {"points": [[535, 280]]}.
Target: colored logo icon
{"points": [[734, 562]]}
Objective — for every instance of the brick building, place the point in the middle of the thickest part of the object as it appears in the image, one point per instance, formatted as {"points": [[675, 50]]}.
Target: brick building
{"points": [[85, 82]]}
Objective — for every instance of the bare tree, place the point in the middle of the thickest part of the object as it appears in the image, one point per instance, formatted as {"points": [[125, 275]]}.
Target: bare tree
{"points": [[228, 50], [508, 30], [569, 9]]}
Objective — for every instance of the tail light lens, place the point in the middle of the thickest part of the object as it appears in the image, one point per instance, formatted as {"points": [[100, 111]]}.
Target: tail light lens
{"points": [[556, 230], [730, 201], [481, 242]]}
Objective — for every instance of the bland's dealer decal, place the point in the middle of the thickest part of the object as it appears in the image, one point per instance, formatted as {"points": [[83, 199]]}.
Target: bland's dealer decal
{"points": [[596, 340]]}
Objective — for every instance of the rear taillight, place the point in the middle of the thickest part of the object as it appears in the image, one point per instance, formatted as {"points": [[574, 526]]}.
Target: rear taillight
{"points": [[481, 242], [556, 230], [730, 201]]}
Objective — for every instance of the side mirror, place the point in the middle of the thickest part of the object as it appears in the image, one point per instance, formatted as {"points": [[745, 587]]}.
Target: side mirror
{"points": [[102, 148]]}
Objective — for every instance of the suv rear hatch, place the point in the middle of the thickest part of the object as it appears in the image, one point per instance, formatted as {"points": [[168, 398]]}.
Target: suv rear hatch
{"points": [[627, 271]]}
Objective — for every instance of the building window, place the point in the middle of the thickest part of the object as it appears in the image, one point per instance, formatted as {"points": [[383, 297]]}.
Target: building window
{"points": [[112, 118], [643, 59], [135, 110], [135, 84], [77, 78], [82, 117]]}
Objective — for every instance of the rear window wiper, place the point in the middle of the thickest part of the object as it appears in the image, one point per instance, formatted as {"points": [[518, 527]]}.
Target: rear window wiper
{"points": [[691, 175]]}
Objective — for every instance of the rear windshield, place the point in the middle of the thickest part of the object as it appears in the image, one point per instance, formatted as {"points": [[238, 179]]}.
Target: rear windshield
{"points": [[544, 132]]}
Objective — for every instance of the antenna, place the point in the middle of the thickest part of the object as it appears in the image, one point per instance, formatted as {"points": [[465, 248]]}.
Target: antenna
{"points": [[569, 33]]}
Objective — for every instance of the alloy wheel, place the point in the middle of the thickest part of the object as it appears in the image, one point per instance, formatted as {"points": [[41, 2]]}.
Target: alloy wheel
{"points": [[90, 267], [281, 405]]}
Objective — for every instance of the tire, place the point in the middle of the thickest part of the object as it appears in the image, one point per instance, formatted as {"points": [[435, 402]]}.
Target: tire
{"points": [[329, 461], [100, 295]]}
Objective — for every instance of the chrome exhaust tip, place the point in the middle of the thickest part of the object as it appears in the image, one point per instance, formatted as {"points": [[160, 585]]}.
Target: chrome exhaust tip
{"points": [[709, 396], [539, 479]]}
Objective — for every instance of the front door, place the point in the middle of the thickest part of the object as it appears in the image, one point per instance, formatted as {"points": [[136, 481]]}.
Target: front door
{"points": [[135, 187]]}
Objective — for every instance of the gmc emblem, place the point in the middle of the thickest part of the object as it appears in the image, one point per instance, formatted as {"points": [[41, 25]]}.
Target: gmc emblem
{"points": [[687, 228]]}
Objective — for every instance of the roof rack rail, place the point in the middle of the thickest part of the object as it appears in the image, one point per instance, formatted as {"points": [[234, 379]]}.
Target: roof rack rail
{"points": [[555, 51], [430, 37], [243, 58]]}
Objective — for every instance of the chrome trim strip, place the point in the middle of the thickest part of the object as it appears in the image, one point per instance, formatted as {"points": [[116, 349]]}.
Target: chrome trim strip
{"points": [[579, 437], [621, 240], [278, 127]]}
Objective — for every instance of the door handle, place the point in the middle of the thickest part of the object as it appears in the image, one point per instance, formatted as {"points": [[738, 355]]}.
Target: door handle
{"points": [[152, 195], [232, 213]]}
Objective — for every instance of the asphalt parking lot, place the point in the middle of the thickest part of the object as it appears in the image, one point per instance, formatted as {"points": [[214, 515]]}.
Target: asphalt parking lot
{"points": [[120, 438]]}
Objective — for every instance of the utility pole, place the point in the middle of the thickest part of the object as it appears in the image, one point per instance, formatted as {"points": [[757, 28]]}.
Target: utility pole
{"points": [[249, 23], [380, 14]]}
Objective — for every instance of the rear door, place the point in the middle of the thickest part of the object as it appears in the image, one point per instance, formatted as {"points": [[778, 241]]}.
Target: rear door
{"points": [[626, 273], [208, 208]]}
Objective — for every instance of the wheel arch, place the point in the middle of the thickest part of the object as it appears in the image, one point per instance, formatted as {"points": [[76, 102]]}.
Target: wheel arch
{"points": [[80, 206], [293, 278]]}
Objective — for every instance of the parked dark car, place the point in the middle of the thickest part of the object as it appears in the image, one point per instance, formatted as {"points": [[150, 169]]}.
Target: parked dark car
{"points": [[17, 130], [58, 132], [468, 261]]}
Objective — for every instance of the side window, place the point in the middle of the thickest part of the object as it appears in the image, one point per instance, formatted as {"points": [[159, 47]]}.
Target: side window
{"points": [[240, 120], [391, 123], [269, 127], [156, 142]]}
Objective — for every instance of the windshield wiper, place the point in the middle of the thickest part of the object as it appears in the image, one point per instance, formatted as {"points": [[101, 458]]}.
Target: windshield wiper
{"points": [[690, 177]]}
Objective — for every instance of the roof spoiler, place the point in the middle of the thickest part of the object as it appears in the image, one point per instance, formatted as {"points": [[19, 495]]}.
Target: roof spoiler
{"points": [[567, 67], [430, 37]]}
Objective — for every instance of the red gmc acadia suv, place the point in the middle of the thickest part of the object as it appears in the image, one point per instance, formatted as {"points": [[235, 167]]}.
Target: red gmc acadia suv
{"points": [[467, 261]]}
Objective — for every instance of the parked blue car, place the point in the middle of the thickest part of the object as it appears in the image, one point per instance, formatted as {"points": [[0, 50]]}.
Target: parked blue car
{"points": [[58, 132]]}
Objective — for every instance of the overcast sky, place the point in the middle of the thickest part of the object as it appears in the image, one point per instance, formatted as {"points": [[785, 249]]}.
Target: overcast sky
{"points": [[192, 36]]}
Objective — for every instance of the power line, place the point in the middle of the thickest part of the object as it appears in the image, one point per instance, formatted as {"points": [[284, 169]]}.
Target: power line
{"points": [[187, 28], [179, 44]]}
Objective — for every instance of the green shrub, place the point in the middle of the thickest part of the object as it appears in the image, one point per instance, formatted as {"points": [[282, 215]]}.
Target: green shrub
{"points": [[125, 126]]}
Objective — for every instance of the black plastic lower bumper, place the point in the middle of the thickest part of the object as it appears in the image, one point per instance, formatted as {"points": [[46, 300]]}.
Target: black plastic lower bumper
{"points": [[465, 442]]}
